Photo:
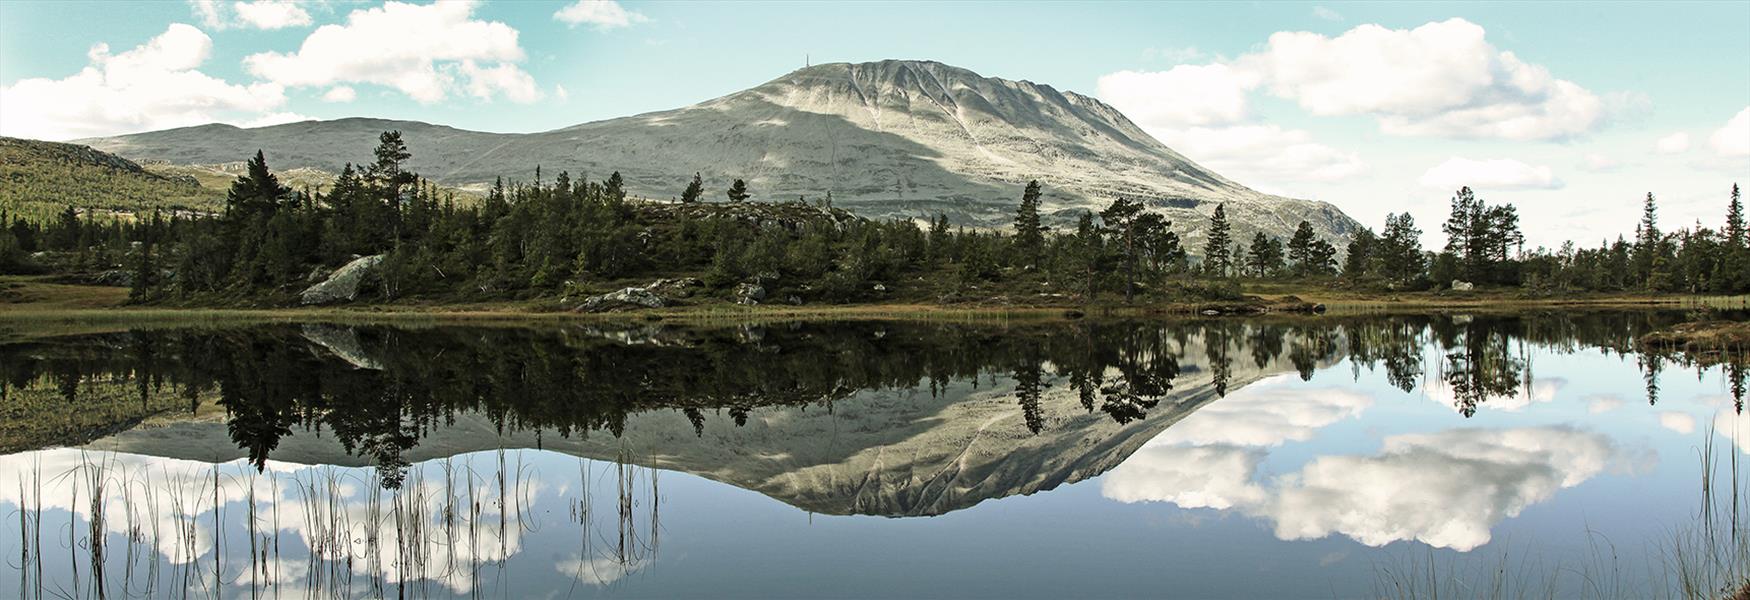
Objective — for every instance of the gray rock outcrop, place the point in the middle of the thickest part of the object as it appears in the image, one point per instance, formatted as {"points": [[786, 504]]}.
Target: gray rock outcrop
{"points": [[345, 283]]}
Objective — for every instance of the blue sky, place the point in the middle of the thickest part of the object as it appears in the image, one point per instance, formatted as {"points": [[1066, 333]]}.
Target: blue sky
{"points": [[1571, 111]]}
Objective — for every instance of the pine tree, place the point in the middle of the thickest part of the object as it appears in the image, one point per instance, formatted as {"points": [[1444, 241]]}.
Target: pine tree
{"points": [[1400, 249], [1216, 260], [1361, 256], [1647, 242], [1266, 256], [738, 191], [1735, 234], [615, 187], [1300, 249], [1029, 234], [694, 190]]}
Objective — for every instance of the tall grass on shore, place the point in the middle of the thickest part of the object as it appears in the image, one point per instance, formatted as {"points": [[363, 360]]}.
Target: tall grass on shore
{"points": [[1709, 557], [171, 529]]}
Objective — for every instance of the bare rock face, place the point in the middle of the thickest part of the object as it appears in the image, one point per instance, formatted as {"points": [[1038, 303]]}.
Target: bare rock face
{"points": [[890, 139], [345, 283]]}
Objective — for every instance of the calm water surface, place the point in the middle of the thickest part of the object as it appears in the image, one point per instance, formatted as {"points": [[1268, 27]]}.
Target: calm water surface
{"points": [[1308, 458]]}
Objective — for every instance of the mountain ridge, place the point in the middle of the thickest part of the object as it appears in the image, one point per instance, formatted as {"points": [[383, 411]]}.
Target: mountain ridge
{"points": [[888, 139]]}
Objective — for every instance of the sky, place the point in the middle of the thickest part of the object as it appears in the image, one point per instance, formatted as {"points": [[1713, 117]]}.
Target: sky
{"points": [[1572, 112]]}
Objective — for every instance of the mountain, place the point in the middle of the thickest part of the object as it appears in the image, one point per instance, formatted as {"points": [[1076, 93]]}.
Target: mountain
{"points": [[42, 178], [891, 452], [907, 139]]}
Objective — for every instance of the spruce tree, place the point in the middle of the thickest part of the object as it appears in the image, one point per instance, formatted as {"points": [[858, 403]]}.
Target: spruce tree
{"points": [[1216, 260], [738, 191], [1029, 234], [615, 187], [694, 190], [1735, 234], [1300, 249], [1266, 255]]}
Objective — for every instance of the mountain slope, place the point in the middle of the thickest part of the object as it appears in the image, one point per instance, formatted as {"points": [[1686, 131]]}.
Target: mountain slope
{"points": [[39, 179], [903, 139]]}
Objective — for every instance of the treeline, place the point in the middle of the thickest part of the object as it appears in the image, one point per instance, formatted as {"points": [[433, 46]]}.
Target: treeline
{"points": [[567, 237]]}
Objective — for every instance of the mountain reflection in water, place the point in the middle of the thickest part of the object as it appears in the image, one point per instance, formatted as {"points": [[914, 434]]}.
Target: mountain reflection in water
{"points": [[397, 436]]}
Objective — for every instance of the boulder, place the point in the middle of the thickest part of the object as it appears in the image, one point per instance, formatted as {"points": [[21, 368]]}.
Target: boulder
{"points": [[749, 293], [1463, 286], [672, 289], [345, 283], [622, 299]]}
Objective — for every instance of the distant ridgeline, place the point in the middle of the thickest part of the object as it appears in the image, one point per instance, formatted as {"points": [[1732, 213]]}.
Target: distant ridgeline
{"points": [[390, 396], [40, 179], [556, 238]]}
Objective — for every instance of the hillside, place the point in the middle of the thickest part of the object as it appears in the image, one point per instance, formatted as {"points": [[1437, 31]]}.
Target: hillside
{"points": [[906, 139], [42, 178]]}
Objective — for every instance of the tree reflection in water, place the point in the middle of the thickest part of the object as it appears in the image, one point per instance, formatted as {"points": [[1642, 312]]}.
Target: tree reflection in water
{"points": [[380, 390]]}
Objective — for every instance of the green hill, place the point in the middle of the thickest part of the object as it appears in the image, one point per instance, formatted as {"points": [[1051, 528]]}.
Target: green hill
{"points": [[39, 179]]}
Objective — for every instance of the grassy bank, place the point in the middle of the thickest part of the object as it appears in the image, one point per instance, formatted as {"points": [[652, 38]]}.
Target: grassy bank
{"points": [[45, 299]]}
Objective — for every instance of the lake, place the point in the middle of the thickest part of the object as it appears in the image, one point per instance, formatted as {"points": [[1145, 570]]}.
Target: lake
{"points": [[1343, 456]]}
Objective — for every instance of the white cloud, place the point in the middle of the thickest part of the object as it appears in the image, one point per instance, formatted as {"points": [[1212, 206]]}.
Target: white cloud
{"points": [[1439, 79], [1185, 95], [1599, 163], [1734, 138], [1499, 174], [1679, 422], [601, 14], [420, 50], [258, 14], [1268, 413], [560, 93], [516, 84], [1602, 403], [1734, 426], [210, 12], [1676, 143], [1202, 112], [271, 14], [1218, 477], [1446, 489], [340, 93], [1326, 13], [154, 86]]}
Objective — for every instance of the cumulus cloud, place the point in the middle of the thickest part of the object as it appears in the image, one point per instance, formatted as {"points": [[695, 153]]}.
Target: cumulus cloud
{"points": [[157, 85], [271, 14], [1217, 477], [1202, 111], [1734, 138], [1680, 422], [259, 14], [1602, 403], [1499, 174], [424, 51], [1439, 79], [1268, 413], [340, 93], [1676, 143], [601, 14], [1446, 489], [1186, 95]]}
